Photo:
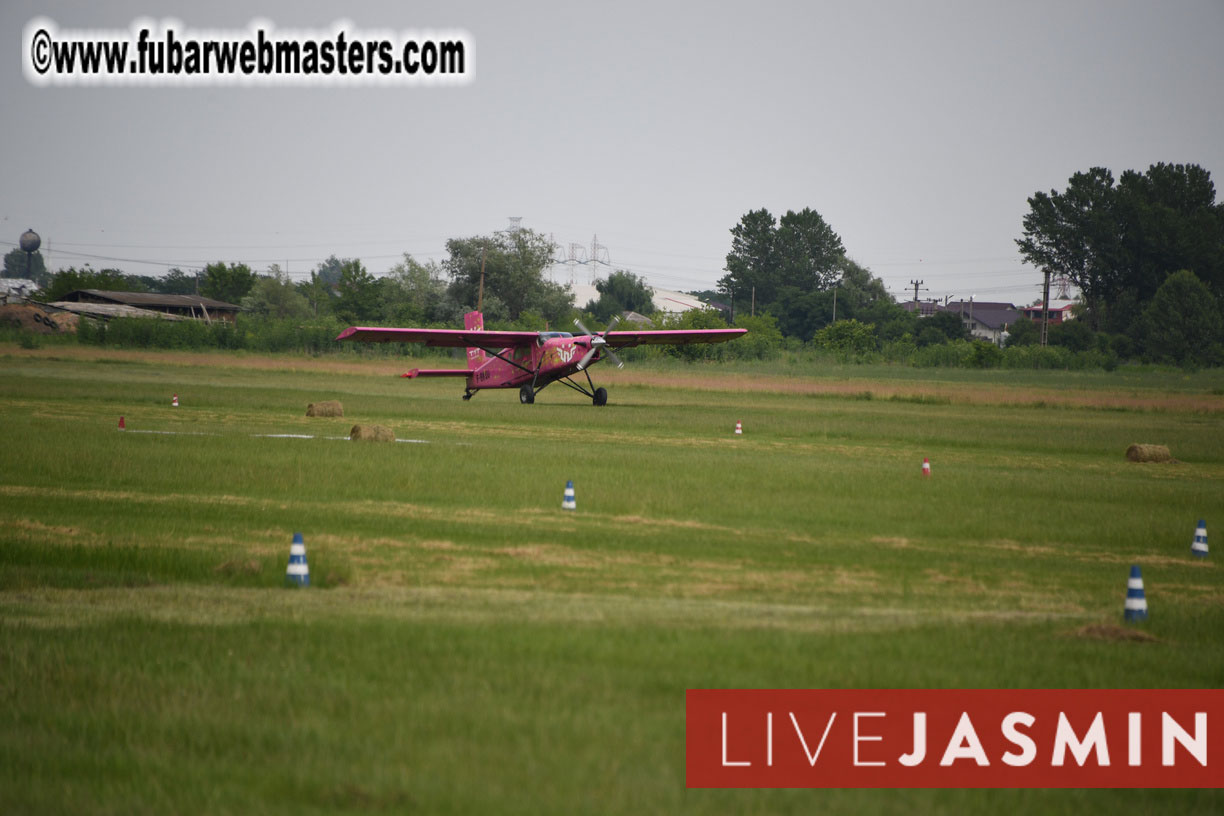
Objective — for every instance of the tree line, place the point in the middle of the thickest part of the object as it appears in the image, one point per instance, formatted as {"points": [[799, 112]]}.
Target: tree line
{"points": [[511, 265], [503, 274], [1147, 253]]}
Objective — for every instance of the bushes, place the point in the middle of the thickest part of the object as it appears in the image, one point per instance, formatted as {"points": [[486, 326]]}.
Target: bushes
{"points": [[254, 334], [251, 333], [985, 355], [164, 334], [762, 342], [1038, 357], [847, 336], [944, 355], [287, 334], [846, 341]]}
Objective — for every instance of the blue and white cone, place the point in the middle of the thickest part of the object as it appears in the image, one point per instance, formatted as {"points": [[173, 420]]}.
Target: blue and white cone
{"points": [[1136, 603], [568, 503], [298, 572], [1199, 547]]}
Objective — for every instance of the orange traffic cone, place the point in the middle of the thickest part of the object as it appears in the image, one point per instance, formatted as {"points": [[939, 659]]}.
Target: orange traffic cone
{"points": [[122, 427], [174, 402], [739, 428], [926, 466]]}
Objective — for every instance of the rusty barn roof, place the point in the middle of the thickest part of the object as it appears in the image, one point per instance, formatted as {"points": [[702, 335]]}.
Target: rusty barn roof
{"points": [[149, 300]]}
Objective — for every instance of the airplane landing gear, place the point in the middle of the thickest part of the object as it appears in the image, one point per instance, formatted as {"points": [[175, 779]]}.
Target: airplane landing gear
{"points": [[526, 395], [600, 397], [467, 395]]}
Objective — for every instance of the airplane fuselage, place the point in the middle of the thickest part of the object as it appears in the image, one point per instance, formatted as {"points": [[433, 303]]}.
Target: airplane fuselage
{"points": [[555, 356]]}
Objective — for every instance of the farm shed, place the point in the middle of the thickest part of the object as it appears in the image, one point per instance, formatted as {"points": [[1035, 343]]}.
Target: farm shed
{"points": [[192, 306]]}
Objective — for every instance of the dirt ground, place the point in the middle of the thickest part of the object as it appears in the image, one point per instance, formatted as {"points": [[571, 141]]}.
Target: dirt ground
{"points": [[37, 319]]}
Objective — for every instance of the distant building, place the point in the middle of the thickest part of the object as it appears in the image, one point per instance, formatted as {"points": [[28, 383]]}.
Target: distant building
{"points": [[924, 308], [1060, 312], [985, 320], [665, 300], [180, 306]]}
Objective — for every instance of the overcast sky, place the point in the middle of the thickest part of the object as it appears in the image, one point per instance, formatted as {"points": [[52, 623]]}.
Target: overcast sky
{"points": [[917, 129]]}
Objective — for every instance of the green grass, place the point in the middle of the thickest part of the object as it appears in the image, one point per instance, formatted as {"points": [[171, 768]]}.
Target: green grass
{"points": [[470, 647]]}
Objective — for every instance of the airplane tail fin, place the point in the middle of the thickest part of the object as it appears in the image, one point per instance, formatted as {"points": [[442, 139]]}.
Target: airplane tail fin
{"points": [[474, 321]]}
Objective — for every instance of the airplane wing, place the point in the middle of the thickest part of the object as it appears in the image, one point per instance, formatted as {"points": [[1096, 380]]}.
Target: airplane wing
{"points": [[463, 338], [452, 338], [626, 339]]}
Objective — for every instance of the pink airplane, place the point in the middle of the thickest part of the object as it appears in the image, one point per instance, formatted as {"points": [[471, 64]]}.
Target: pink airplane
{"points": [[529, 361]]}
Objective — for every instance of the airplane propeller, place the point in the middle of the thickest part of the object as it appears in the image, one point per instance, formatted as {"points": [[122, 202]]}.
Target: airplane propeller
{"points": [[598, 341]]}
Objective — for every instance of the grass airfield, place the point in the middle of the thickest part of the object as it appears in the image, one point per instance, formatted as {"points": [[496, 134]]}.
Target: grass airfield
{"points": [[468, 646]]}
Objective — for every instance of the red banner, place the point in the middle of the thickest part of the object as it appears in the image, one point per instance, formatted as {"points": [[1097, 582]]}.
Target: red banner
{"points": [[955, 738]]}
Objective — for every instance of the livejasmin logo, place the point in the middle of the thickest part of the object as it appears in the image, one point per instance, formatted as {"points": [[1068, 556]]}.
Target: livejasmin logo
{"points": [[965, 743], [954, 738]]}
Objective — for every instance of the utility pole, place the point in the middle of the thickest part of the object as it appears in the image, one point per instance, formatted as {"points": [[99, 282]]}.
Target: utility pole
{"points": [[1045, 308], [916, 284], [753, 312], [599, 253], [480, 297]]}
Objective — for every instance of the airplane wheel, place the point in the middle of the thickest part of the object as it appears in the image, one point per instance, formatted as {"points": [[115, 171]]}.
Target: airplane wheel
{"points": [[467, 397], [601, 396], [526, 395]]}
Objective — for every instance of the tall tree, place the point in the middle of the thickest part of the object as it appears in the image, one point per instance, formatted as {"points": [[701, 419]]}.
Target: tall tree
{"points": [[801, 314], [72, 279], [1170, 221], [318, 293], [1182, 324], [274, 295], [18, 264], [227, 282], [774, 261], [810, 253], [622, 291], [752, 263], [413, 291], [329, 271], [1075, 233], [359, 293], [514, 264], [177, 282], [1119, 244]]}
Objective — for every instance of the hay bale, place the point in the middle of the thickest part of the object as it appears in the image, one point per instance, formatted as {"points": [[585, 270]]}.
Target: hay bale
{"points": [[1149, 453], [372, 433], [327, 408]]}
